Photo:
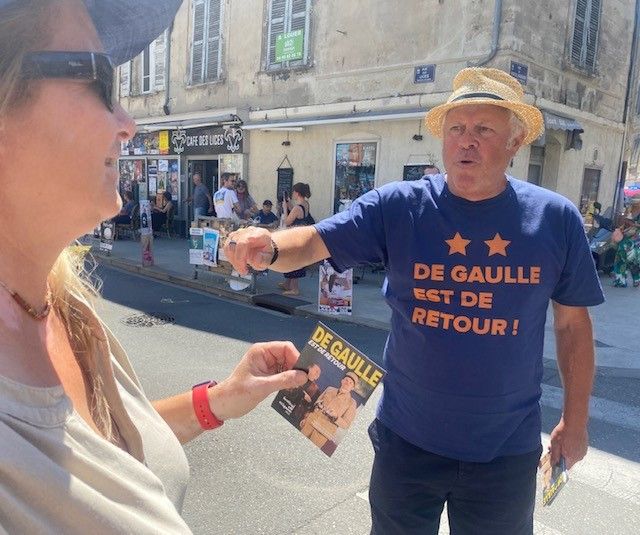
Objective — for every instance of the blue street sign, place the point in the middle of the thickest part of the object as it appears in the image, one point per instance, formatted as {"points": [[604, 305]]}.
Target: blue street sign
{"points": [[423, 74]]}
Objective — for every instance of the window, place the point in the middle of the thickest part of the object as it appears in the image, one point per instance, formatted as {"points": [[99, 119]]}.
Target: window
{"points": [[585, 34], [152, 66], [536, 163], [288, 34], [355, 172], [146, 66], [590, 187], [206, 51]]}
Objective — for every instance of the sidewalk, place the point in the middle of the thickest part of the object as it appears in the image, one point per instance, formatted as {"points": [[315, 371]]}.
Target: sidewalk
{"points": [[616, 322]]}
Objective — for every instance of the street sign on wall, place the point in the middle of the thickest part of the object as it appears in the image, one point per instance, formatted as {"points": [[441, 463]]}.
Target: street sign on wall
{"points": [[423, 74], [519, 71]]}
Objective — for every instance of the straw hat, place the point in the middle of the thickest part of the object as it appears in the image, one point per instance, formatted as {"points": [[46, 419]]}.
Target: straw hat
{"points": [[487, 86]]}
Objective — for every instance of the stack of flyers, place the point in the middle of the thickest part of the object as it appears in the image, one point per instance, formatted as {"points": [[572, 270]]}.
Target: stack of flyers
{"points": [[554, 478], [340, 380]]}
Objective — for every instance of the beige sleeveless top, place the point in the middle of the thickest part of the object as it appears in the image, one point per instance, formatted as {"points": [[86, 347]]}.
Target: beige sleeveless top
{"points": [[58, 476]]}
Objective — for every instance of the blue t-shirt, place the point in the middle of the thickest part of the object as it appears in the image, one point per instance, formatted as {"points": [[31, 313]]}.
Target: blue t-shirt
{"points": [[266, 219], [469, 284]]}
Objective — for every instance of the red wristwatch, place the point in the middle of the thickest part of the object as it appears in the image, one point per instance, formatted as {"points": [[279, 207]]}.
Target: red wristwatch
{"points": [[201, 406]]}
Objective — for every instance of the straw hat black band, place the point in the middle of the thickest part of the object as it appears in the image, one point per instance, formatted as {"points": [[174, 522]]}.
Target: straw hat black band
{"points": [[477, 95]]}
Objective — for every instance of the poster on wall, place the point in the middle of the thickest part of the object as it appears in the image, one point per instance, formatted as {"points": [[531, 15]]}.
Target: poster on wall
{"points": [[174, 179], [354, 173], [335, 290], [196, 246], [152, 174], [131, 173], [211, 238]]}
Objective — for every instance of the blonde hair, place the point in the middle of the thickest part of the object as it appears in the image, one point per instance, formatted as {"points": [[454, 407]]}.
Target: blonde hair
{"points": [[23, 28]]}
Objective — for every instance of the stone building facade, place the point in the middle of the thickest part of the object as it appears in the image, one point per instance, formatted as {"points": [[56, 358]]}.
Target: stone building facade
{"points": [[337, 91]]}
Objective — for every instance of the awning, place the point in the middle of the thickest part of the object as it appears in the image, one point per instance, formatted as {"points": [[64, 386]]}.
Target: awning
{"points": [[186, 120], [356, 117], [558, 122]]}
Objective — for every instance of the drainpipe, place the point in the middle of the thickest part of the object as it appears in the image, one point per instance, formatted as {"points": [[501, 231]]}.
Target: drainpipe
{"points": [[497, 17], [167, 69], [617, 194]]}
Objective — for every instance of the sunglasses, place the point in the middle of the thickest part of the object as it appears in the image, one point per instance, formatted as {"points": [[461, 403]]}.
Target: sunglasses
{"points": [[91, 66]]}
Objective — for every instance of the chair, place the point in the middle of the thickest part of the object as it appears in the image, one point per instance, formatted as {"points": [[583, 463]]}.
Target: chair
{"points": [[132, 227], [168, 224]]}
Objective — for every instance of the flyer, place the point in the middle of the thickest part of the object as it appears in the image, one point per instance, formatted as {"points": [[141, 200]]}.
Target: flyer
{"points": [[335, 290], [211, 238], [196, 246], [340, 381], [554, 478]]}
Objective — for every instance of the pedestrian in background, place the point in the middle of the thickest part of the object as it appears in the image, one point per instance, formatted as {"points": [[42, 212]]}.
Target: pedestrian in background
{"points": [[297, 215], [247, 207], [82, 449], [225, 200], [202, 201]]}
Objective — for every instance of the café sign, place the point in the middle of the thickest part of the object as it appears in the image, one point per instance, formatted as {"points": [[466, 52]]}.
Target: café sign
{"points": [[206, 140]]}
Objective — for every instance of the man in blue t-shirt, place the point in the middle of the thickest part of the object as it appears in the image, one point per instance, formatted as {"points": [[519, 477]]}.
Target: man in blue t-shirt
{"points": [[472, 258]]}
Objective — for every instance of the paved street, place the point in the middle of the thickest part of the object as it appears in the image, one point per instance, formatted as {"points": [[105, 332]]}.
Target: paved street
{"points": [[258, 476]]}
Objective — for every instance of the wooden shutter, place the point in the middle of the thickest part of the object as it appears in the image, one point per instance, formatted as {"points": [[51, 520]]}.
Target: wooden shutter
{"points": [[197, 42], [592, 35], [159, 53], [577, 44], [277, 13], [299, 20], [125, 79], [214, 24]]}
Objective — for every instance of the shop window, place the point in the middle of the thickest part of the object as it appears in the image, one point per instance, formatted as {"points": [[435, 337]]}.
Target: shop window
{"points": [[287, 43], [584, 43], [590, 187], [206, 49], [355, 172]]}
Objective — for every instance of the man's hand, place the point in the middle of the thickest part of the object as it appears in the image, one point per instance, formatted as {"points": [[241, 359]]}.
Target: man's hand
{"points": [[568, 442], [249, 247], [264, 369]]}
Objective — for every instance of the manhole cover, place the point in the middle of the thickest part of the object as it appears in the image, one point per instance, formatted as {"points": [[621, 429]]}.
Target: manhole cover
{"points": [[148, 319]]}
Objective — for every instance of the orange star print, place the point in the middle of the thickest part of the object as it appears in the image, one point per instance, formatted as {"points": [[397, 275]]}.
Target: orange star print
{"points": [[497, 245], [458, 244]]}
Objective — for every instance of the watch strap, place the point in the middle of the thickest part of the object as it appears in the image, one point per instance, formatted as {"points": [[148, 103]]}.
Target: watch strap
{"points": [[201, 406]]}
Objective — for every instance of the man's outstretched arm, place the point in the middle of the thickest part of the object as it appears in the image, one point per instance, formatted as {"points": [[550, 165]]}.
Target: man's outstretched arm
{"points": [[297, 247]]}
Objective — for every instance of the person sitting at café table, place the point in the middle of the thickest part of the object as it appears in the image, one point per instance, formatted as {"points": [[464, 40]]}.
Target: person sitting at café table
{"points": [[266, 216], [124, 217], [159, 213]]}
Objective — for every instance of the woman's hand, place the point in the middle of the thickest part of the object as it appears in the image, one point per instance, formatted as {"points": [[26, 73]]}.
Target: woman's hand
{"points": [[264, 369]]}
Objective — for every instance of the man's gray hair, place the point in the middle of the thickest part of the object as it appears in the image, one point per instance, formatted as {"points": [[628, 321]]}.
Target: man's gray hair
{"points": [[517, 128]]}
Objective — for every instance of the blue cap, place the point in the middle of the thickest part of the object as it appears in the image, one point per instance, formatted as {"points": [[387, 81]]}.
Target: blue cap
{"points": [[126, 27]]}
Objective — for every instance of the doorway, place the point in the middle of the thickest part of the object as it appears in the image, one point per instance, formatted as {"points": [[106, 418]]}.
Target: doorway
{"points": [[208, 169]]}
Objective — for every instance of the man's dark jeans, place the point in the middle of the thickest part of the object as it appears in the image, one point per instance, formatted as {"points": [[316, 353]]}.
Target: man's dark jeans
{"points": [[409, 487]]}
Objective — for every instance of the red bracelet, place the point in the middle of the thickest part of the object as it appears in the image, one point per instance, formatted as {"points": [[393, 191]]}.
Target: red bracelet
{"points": [[201, 406]]}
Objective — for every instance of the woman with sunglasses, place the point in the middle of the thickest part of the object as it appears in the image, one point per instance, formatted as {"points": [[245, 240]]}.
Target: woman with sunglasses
{"points": [[82, 450], [248, 207]]}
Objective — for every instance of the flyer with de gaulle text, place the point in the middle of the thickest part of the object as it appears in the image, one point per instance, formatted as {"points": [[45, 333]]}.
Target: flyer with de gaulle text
{"points": [[340, 380]]}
